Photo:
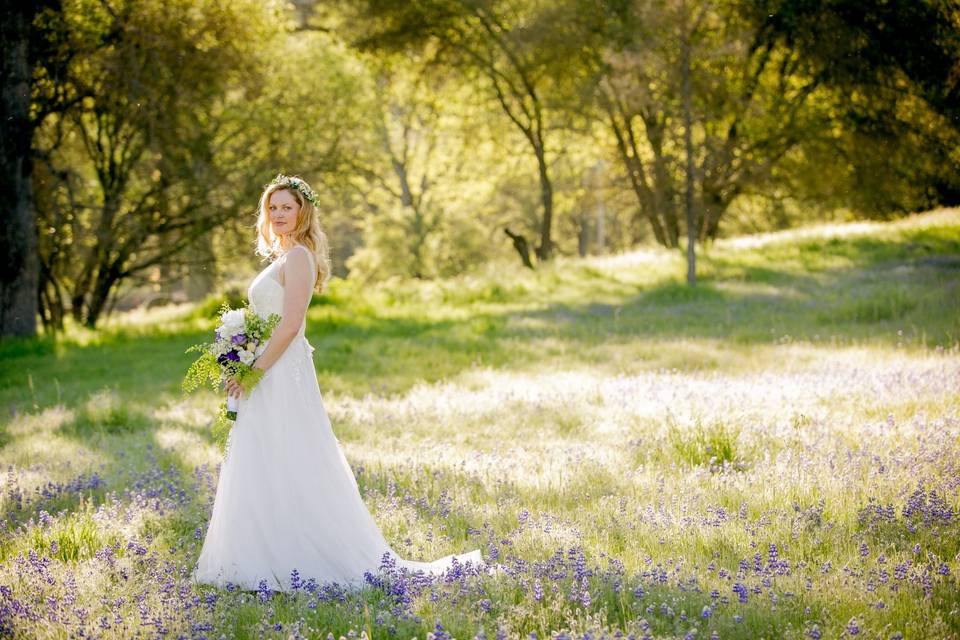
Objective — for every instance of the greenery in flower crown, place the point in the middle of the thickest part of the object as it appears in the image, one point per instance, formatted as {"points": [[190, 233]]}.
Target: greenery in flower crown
{"points": [[293, 182]]}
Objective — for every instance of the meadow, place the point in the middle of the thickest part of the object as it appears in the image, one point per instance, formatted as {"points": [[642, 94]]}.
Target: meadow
{"points": [[773, 453]]}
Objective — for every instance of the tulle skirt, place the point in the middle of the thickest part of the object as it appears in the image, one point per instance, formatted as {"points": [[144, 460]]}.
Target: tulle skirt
{"points": [[287, 498]]}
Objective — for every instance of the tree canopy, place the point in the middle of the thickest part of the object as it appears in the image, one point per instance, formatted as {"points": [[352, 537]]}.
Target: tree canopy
{"points": [[442, 134]]}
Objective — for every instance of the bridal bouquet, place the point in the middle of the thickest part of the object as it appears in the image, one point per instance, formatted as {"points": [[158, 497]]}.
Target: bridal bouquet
{"points": [[238, 342]]}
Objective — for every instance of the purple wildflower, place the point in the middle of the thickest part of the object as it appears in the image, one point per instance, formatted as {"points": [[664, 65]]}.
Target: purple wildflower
{"points": [[263, 591], [741, 591]]}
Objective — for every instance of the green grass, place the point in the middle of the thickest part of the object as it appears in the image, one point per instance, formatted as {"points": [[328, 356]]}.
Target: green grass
{"points": [[808, 375], [897, 285]]}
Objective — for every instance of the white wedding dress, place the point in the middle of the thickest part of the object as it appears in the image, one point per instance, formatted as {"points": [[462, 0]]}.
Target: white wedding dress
{"points": [[287, 498]]}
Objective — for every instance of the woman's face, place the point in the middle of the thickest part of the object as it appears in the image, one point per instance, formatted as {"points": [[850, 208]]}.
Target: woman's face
{"points": [[283, 210]]}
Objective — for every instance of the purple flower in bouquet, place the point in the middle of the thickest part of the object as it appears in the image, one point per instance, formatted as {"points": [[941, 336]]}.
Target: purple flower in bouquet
{"points": [[229, 356]]}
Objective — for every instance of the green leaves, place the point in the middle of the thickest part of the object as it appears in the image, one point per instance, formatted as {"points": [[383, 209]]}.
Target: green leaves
{"points": [[204, 369]]}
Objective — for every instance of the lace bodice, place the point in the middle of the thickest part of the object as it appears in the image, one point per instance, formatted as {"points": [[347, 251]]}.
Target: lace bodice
{"points": [[266, 292], [266, 295]]}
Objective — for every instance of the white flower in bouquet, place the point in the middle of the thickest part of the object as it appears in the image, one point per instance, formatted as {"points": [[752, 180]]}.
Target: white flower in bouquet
{"points": [[233, 322]]}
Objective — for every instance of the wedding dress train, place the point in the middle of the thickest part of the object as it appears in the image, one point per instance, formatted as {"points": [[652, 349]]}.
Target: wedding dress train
{"points": [[287, 498]]}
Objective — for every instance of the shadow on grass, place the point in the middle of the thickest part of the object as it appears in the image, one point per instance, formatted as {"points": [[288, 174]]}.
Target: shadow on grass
{"points": [[759, 305]]}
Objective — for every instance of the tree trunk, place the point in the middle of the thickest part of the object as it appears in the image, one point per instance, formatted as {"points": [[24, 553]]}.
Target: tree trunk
{"points": [[202, 280], [50, 299], [521, 245], [418, 239], [663, 189], [600, 210], [545, 248], [688, 141], [626, 144], [713, 208], [107, 277], [18, 235], [583, 233]]}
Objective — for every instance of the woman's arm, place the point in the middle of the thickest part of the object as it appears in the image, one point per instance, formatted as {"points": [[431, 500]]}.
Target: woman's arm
{"points": [[298, 289]]}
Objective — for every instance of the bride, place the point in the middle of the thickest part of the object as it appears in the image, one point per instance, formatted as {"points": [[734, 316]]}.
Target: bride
{"points": [[286, 498]]}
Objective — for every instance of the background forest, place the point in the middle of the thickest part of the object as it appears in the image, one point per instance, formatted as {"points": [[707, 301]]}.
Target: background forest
{"points": [[445, 135]]}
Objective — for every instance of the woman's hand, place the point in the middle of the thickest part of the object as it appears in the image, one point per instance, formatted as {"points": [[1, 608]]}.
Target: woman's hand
{"points": [[234, 388]]}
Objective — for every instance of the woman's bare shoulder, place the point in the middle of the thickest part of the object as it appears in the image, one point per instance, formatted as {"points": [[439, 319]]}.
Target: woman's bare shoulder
{"points": [[307, 258]]}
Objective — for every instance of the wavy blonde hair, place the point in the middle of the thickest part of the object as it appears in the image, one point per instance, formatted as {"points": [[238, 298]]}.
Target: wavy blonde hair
{"points": [[307, 231]]}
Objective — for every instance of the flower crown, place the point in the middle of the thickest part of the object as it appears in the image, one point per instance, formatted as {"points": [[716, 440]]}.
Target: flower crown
{"points": [[293, 182]]}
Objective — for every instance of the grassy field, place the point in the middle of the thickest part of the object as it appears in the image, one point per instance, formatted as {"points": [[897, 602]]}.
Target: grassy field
{"points": [[772, 453]]}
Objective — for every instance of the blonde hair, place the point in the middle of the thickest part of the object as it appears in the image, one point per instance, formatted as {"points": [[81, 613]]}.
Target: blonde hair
{"points": [[307, 231]]}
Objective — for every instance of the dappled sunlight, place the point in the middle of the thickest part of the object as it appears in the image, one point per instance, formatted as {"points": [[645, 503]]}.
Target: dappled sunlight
{"points": [[545, 431], [45, 421], [631, 260], [159, 315], [190, 447], [53, 449], [813, 232], [936, 217], [137, 322], [626, 355], [486, 403], [193, 412], [744, 288]]}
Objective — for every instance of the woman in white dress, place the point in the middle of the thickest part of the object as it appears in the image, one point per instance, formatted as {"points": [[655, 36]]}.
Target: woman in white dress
{"points": [[287, 499]]}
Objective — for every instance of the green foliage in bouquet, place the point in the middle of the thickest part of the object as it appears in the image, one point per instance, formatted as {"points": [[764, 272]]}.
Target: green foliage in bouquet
{"points": [[214, 368], [220, 429]]}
